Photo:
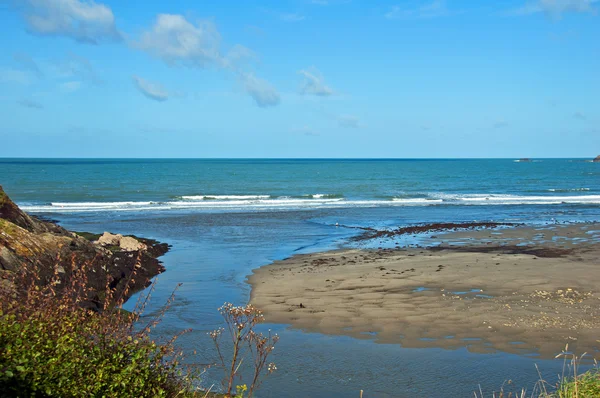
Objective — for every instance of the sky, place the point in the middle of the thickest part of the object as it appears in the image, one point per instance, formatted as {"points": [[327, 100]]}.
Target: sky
{"points": [[300, 78]]}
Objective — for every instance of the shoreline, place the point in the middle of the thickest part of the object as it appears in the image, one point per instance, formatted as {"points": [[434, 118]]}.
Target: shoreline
{"points": [[524, 290]]}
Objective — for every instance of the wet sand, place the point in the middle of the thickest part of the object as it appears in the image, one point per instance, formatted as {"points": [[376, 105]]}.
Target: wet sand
{"points": [[521, 290]]}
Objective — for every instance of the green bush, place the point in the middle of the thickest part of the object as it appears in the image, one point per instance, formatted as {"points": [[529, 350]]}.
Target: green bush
{"points": [[51, 346]]}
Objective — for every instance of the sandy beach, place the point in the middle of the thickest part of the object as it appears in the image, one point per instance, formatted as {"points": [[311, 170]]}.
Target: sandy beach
{"points": [[521, 290]]}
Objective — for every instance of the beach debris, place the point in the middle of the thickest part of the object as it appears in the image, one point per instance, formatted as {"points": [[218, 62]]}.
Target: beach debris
{"points": [[568, 296]]}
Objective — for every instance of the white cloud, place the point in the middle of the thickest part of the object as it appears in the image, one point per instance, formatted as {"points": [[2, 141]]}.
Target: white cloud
{"points": [[27, 103], [348, 121], [84, 21], [238, 54], [263, 92], [150, 90], [314, 83], [437, 8], [180, 42], [556, 8]]}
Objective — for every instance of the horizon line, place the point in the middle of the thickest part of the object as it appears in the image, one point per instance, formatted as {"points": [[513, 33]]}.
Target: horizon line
{"points": [[295, 158]]}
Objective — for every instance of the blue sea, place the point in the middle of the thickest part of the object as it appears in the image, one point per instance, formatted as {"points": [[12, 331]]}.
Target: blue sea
{"points": [[225, 217]]}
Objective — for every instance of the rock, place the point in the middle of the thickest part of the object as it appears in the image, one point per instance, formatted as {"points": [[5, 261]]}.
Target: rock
{"points": [[130, 244], [108, 239], [596, 159], [35, 244], [10, 212], [524, 160]]}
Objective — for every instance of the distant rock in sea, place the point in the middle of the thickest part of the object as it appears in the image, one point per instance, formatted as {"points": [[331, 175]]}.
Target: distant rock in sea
{"points": [[596, 159], [524, 160]]}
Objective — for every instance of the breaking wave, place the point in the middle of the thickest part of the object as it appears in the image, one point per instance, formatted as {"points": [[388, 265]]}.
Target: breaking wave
{"points": [[313, 201]]}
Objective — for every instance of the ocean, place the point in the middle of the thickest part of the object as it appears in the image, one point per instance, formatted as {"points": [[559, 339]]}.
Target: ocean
{"points": [[225, 217]]}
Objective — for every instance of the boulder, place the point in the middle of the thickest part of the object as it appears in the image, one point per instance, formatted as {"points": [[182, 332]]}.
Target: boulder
{"points": [[596, 159], [130, 244], [108, 239]]}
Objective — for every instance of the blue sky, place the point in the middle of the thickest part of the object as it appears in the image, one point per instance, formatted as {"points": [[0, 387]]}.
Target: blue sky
{"points": [[300, 78]]}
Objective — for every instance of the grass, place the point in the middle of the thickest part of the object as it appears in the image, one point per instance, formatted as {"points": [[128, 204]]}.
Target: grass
{"points": [[572, 383]]}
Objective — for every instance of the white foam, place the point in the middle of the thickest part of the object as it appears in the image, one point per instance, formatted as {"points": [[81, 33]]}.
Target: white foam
{"points": [[492, 199], [263, 202], [99, 204], [224, 197], [568, 190], [417, 201]]}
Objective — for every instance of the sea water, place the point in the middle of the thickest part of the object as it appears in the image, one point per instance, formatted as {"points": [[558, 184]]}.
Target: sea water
{"points": [[224, 218]]}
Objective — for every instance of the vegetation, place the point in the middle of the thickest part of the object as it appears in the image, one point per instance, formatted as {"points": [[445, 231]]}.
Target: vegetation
{"points": [[53, 345], [572, 383], [241, 322]]}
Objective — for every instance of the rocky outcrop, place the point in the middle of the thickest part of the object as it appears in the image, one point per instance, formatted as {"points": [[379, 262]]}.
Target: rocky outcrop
{"points": [[125, 243], [130, 244], [108, 239], [596, 159], [10, 212], [30, 243]]}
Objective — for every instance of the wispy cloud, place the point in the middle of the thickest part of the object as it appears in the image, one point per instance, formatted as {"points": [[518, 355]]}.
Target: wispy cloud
{"points": [[329, 2], [305, 130], [263, 93], [284, 16], [76, 66], [27, 63], [580, 115], [556, 8], [28, 103], [153, 91], [436, 8], [84, 21], [348, 121], [291, 17], [70, 87], [314, 83], [255, 30], [15, 76], [179, 42], [499, 124]]}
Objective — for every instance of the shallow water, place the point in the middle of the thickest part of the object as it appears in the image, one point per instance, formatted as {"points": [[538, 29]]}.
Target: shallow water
{"points": [[216, 246]]}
